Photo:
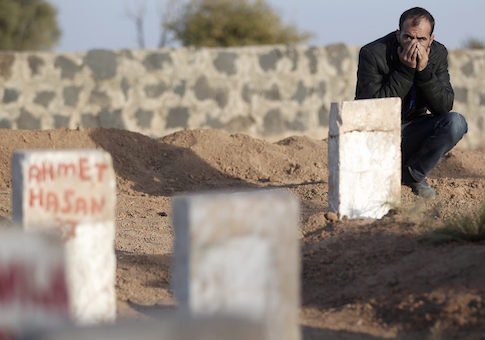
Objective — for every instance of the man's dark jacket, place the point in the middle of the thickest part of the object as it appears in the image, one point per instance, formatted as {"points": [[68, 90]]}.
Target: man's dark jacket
{"points": [[381, 74]]}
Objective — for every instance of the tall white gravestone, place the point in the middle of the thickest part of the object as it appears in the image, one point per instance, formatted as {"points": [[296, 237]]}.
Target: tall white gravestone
{"points": [[238, 254], [33, 291], [364, 157], [75, 192]]}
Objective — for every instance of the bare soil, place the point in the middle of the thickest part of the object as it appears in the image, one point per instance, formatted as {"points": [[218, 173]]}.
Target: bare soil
{"points": [[361, 279]]}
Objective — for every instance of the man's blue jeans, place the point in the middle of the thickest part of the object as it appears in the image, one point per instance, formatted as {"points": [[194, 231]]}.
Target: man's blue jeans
{"points": [[427, 138]]}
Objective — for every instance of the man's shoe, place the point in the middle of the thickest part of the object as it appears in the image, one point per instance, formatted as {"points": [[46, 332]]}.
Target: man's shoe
{"points": [[422, 189]]}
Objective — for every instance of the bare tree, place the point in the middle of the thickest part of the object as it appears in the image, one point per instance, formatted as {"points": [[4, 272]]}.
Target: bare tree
{"points": [[137, 15], [168, 10]]}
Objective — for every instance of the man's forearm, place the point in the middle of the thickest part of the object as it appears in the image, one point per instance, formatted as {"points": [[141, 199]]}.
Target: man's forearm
{"points": [[372, 84], [436, 88]]}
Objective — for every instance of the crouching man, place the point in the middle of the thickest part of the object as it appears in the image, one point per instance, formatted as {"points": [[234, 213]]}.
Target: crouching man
{"points": [[410, 64]]}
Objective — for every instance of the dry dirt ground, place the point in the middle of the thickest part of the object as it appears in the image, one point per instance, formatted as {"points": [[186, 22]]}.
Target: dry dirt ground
{"points": [[360, 279]]}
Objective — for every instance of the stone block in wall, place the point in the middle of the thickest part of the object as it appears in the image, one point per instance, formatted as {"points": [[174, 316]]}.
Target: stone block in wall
{"points": [[6, 62], [10, 95], [225, 63], [103, 63], [238, 254], [33, 290], [364, 157], [68, 67], [73, 192], [156, 61], [27, 121], [71, 95], [35, 64], [44, 98]]}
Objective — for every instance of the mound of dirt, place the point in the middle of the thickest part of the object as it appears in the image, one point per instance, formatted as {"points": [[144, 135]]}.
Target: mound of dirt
{"points": [[359, 279]]}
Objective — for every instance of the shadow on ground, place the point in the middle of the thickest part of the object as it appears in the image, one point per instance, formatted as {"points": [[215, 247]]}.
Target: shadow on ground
{"points": [[400, 278], [310, 333]]}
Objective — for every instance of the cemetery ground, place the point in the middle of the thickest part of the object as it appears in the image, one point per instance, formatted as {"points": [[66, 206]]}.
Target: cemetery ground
{"points": [[360, 278]]}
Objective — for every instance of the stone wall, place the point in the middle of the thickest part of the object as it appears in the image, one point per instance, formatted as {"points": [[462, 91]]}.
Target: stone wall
{"points": [[268, 91]]}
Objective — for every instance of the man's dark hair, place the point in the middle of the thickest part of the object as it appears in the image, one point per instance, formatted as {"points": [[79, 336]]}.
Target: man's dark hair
{"points": [[416, 14]]}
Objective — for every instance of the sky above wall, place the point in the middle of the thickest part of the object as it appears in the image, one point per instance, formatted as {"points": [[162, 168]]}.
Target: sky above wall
{"points": [[88, 24]]}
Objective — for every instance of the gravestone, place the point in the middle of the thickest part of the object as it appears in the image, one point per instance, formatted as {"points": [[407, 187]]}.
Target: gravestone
{"points": [[73, 192], [175, 327], [33, 291], [238, 254], [364, 157]]}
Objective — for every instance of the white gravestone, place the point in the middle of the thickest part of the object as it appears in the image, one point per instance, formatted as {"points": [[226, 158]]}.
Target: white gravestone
{"points": [[33, 291], [74, 192], [165, 327], [237, 254], [364, 157]]}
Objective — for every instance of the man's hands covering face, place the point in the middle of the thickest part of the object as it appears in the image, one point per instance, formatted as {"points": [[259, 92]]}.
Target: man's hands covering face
{"points": [[414, 55], [423, 57], [408, 54]]}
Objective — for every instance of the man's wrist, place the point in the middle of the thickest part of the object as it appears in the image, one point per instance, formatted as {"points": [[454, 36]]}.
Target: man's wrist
{"points": [[406, 70], [424, 75]]}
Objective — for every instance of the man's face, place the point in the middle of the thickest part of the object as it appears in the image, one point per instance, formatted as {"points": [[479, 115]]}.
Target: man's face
{"points": [[421, 33]]}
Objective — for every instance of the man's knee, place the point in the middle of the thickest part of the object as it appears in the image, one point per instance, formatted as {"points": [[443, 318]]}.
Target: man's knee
{"points": [[455, 124]]}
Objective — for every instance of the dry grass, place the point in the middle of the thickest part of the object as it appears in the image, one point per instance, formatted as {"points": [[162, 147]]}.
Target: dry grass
{"points": [[466, 228]]}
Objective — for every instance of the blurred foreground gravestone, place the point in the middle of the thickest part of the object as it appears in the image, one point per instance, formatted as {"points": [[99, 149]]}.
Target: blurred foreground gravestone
{"points": [[237, 254], [177, 327], [364, 157], [33, 291], [74, 192]]}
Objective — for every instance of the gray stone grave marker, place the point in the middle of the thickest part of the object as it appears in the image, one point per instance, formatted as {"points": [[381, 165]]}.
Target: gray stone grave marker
{"points": [[33, 290], [364, 157], [238, 254], [74, 192]]}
